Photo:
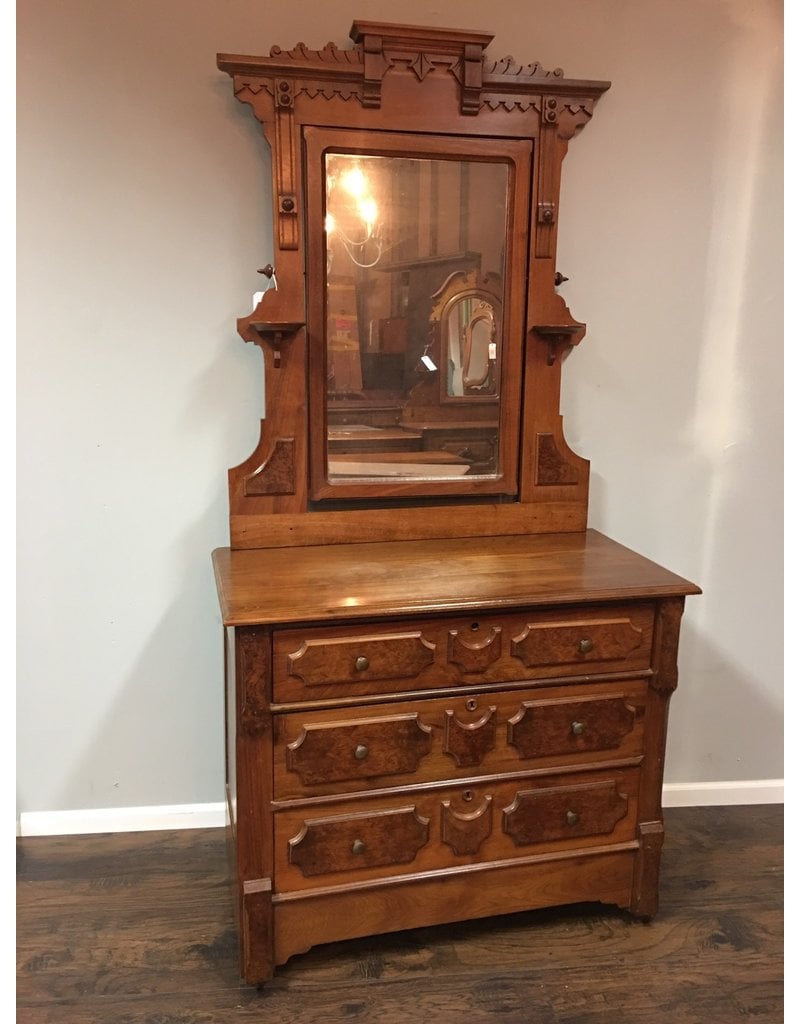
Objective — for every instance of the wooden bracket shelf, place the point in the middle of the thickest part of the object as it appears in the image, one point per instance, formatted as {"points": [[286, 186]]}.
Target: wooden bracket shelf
{"points": [[276, 334], [554, 335]]}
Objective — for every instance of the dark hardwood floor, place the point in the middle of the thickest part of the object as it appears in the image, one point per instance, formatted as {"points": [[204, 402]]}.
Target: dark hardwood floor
{"points": [[138, 927]]}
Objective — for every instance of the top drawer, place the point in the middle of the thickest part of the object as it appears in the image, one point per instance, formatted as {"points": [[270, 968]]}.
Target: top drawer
{"points": [[332, 662]]}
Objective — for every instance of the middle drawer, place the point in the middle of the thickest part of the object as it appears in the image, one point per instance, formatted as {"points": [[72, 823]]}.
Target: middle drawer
{"points": [[332, 752]]}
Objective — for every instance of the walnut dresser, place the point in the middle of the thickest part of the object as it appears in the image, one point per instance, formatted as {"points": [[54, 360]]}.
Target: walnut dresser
{"points": [[446, 697]]}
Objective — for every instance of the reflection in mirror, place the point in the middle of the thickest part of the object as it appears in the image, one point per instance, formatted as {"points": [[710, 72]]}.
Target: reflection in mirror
{"points": [[408, 396], [479, 348], [469, 333]]}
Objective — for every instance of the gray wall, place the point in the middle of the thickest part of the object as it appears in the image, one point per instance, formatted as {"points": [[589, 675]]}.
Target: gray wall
{"points": [[143, 214]]}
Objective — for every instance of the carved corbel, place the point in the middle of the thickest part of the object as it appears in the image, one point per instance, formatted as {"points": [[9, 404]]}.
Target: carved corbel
{"points": [[375, 67], [471, 78], [665, 645]]}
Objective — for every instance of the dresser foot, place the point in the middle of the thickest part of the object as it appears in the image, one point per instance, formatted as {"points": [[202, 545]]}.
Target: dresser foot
{"points": [[644, 897], [258, 964]]}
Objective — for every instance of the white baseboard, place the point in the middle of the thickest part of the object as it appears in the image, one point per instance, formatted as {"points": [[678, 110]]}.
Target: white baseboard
{"points": [[711, 794], [121, 819], [150, 819]]}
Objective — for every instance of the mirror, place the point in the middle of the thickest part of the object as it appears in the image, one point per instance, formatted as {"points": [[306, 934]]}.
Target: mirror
{"points": [[397, 229], [410, 237]]}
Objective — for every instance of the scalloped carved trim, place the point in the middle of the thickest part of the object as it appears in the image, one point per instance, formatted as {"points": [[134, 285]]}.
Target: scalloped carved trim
{"points": [[513, 102], [508, 66], [329, 54], [571, 116], [253, 86], [345, 89], [342, 90], [277, 474]]}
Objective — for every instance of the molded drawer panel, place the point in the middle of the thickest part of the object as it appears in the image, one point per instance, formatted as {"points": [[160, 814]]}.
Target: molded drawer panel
{"points": [[328, 752], [362, 749], [361, 659], [450, 826], [329, 663], [584, 642]]}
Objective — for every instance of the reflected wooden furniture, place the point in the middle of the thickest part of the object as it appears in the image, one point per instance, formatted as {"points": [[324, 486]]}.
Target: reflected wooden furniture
{"points": [[373, 439], [445, 697]]}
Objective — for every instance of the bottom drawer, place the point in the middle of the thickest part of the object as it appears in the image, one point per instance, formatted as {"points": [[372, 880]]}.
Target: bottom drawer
{"points": [[450, 826]]}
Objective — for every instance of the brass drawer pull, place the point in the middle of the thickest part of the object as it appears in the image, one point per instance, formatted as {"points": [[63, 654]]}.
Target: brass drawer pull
{"points": [[585, 646], [361, 752], [359, 846], [362, 664], [578, 728], [572, 818]]}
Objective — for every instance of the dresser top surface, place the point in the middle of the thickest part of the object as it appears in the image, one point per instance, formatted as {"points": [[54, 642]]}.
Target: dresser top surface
{"points": [[280, 585]]}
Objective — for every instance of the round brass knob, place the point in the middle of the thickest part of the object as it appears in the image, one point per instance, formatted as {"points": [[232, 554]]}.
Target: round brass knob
{"points": [[362, 664], [359, 846], [572, 818], [584, 646], [361, 752], [578, 728]]}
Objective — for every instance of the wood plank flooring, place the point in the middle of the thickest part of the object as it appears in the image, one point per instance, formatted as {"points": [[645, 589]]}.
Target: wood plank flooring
{"points": [[137, 928]]}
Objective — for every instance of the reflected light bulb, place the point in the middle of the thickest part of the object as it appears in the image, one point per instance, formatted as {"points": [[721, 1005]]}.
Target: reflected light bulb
{"points": [[354, 182], [368, 211]]}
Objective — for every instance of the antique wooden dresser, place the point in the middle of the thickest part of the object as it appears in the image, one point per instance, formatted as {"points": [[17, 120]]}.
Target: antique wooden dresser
{"points": [[446, 698]]}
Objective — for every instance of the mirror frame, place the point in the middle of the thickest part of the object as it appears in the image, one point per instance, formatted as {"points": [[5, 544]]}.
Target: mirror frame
{"points": [[426, 82], [516, 155]]}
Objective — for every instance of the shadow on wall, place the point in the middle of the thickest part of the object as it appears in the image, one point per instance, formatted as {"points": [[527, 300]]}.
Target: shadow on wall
{"points": [[717, 700]]}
